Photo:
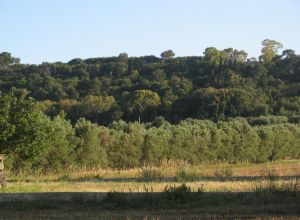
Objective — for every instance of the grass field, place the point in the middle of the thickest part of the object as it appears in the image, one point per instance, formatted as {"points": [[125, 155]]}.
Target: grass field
{"points": [[212, 178], [255, 191], [270, 202], [207, 186]]}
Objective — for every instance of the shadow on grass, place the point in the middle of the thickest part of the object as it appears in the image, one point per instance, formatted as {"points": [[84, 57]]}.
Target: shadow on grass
{"points": [[171, 198], [189, 179], [164, 179]]}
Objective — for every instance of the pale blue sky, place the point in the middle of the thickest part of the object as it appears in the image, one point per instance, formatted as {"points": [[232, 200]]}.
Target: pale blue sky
{"points": [[59, 30]]}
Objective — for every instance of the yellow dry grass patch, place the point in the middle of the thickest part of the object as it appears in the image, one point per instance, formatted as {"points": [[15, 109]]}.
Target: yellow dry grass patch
{"points": [[277, 168], [207, 186]]}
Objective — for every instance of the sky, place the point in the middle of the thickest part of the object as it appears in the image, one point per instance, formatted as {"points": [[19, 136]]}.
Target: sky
{"points": [[39, 31]]}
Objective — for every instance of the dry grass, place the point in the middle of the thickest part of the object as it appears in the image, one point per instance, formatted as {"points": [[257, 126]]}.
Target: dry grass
{"points": [[62, 183], [278, 168], [208, 186]]}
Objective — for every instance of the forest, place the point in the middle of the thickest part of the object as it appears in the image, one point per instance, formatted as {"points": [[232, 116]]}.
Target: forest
{"points": [[125, 112]]}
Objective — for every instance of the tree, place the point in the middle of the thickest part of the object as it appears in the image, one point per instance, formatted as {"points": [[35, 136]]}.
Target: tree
{"points": [[140, 100], [89, 152], [269, 50], [92, 107], [156, 142], [235, 55], [230, 78], [123, 57], [60, 154], [24, 128], [125, 148], [6, 60], [75, 61], [215, 57], [180, 85], [159, 75], [288, 53], [167, 55]]}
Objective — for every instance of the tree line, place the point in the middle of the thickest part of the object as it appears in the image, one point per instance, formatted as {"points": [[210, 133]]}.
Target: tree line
{"points": [[34, 142], [216, 86]]}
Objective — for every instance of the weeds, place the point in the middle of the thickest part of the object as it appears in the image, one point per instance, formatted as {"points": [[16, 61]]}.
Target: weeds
{"points": [[151, 174], [65, 178], [184, 176], [181, 194], [270, 173], [274, 187], [148, 189], [171, 197], [224, 172]]}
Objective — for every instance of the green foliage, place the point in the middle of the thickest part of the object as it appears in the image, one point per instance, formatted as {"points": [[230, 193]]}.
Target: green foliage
{"points": [[128, 145], [125, 149], [155, 145], [60, 154], [24, 129], [6, 60], [269, 51], [137, 102], [168, 54], [89, 152], [216, 86], [219, 107]]}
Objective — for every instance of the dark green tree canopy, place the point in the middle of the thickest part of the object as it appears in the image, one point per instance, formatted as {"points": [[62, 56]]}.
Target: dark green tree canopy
{"points": [[218, 107], [105, 89], [168, 54], [6, 60]]}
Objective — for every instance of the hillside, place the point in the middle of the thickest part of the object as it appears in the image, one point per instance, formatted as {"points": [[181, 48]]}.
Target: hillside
{"points": [[218, 85]]}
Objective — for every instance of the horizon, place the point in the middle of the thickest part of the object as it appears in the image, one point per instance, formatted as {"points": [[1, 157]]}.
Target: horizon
{"points": [[55, 31]]}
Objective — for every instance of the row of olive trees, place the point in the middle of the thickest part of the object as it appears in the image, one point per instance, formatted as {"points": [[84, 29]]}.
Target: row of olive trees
{"points": [[34, 142]]}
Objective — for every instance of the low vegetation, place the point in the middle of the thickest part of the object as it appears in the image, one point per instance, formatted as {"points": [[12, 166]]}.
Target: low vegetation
{"points": [[271, 200], [242, 178]]}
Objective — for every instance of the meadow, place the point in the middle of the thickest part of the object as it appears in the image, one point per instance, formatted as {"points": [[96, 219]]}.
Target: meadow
{"points": [[209, 177], [172, 191]]}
